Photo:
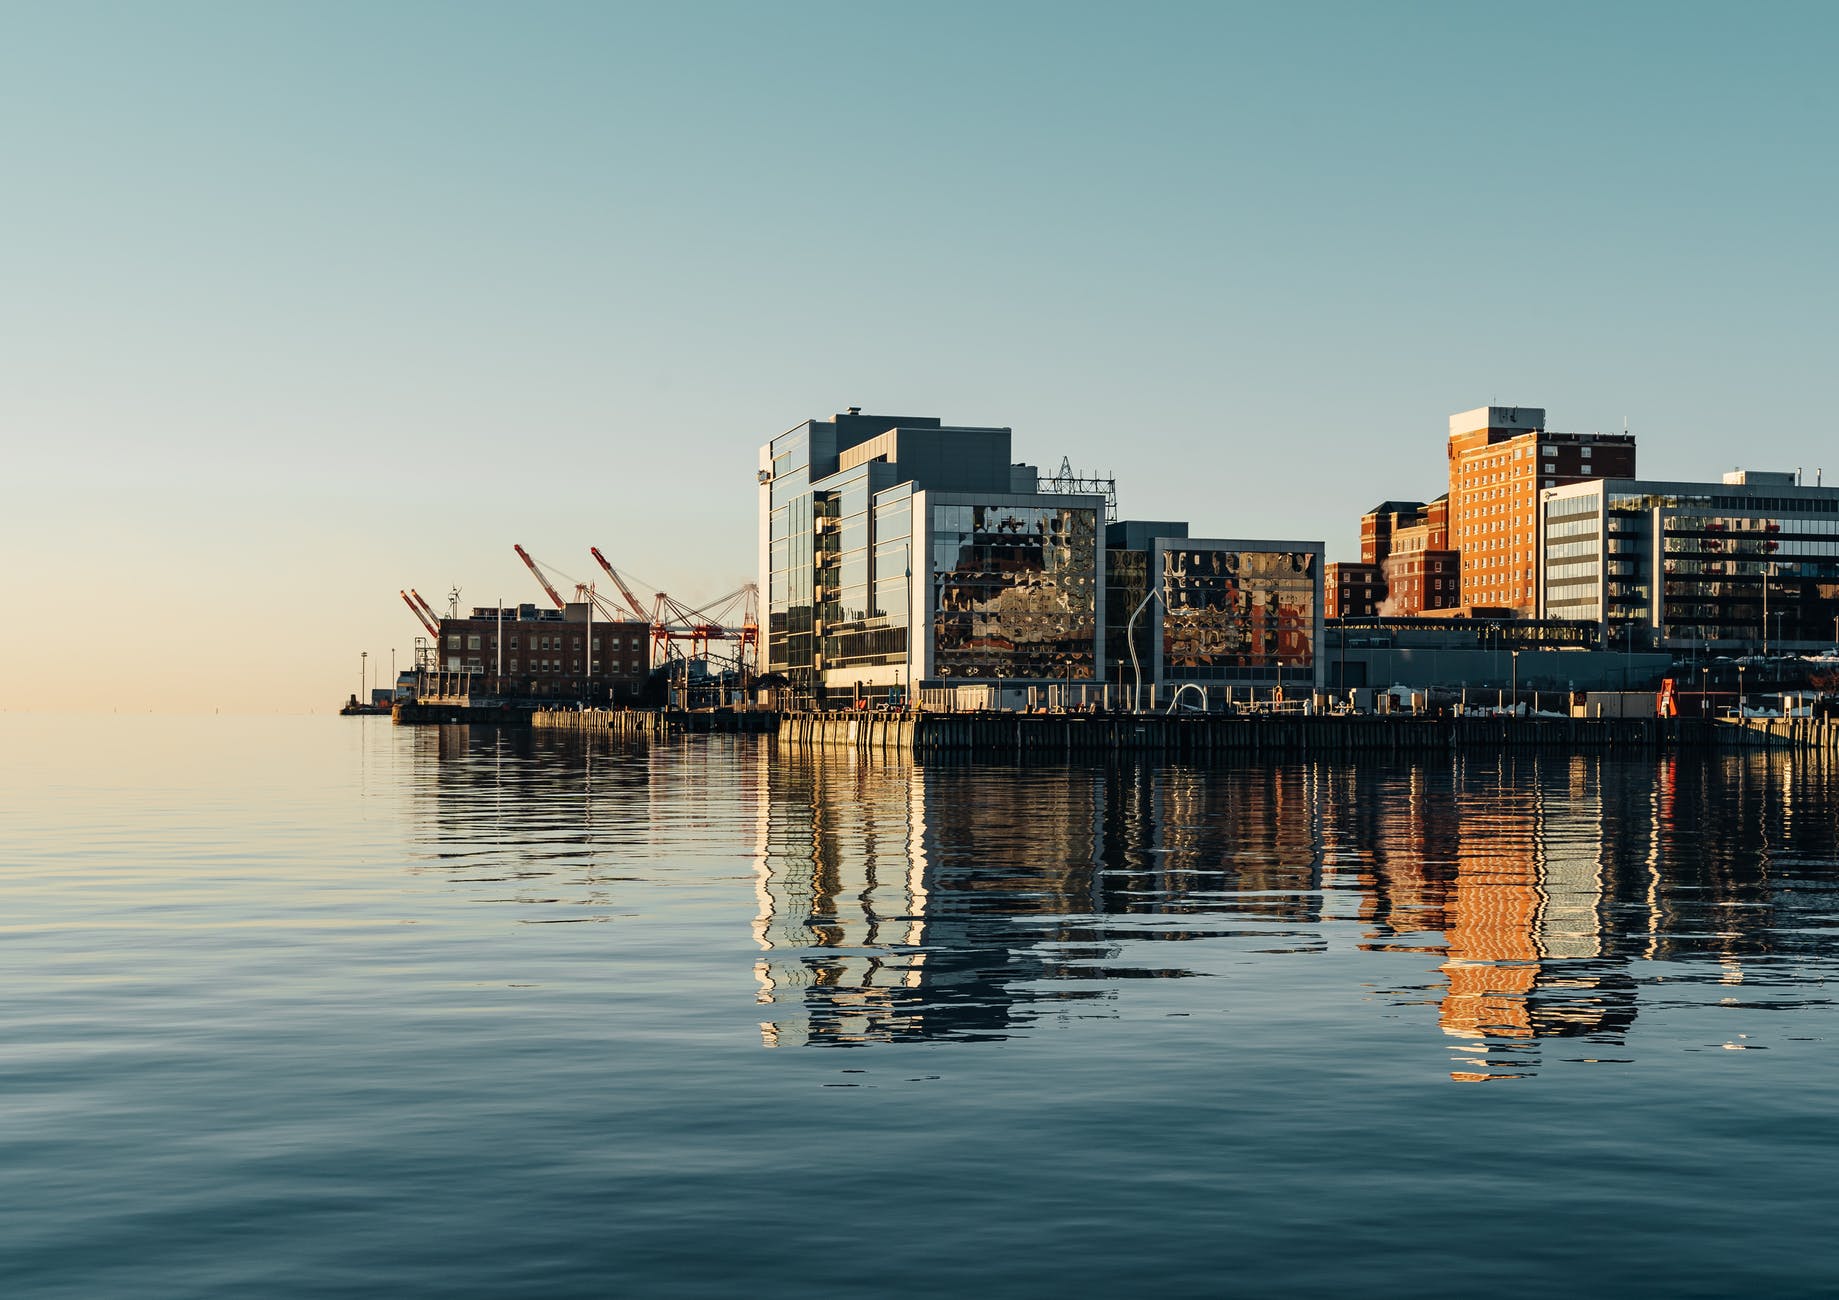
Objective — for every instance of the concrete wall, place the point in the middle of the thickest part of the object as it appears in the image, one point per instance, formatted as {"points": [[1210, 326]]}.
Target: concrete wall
{"points": [[1550, 670]]}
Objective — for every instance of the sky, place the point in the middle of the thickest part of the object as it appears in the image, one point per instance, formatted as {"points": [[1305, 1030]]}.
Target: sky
{"points": [[304, 303]]}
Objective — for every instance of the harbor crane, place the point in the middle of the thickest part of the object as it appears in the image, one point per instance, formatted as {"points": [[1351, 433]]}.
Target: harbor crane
{"points": [[548, 586], [434, 628], [426, 608], [730, 619]]}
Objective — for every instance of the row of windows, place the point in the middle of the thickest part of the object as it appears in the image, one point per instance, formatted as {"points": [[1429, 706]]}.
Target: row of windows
{"points": [[485, 641], [550, 666], [1569, 507]]}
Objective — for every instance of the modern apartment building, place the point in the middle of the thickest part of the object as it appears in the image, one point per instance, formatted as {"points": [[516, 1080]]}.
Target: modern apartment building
{"points": [[1500, 459], [1748, 564], [900, 551]]}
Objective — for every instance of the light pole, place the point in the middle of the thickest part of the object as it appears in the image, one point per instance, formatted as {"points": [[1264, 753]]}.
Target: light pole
{"points": [[1765, 611], [1740, 671], [1704, 690], [363, 675], [1516, 682]]}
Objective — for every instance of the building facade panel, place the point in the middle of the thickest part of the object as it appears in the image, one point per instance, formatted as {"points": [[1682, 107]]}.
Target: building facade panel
{"points": [[1239, 613]]}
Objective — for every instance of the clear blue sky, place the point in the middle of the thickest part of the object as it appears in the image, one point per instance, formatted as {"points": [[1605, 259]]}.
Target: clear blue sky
{"points": [[302, 303]]}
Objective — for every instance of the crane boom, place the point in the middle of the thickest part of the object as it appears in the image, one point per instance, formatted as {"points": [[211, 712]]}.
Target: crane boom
{"points": [[554, 595], [433, 629], [632, 601], [426, 608]]}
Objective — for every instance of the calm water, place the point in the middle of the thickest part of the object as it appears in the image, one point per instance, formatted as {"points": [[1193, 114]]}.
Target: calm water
{"points": [[315, 1007]]}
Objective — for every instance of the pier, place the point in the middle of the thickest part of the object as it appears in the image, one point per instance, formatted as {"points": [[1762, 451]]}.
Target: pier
{"points": [[655, 724], [1188, 735], [1179, 735]]}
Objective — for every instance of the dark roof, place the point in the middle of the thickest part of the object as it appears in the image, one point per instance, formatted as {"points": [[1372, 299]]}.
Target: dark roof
{"points": [[1396, 507]]}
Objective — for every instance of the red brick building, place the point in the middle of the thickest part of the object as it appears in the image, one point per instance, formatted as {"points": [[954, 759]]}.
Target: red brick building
{"points": [[547, 654], [1499, 459], [1422, 572], [1353, 590]]}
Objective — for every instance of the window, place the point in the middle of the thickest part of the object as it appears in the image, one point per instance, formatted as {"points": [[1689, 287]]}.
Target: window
{"points": [[514, 665], [472, 642], [453, 640]]}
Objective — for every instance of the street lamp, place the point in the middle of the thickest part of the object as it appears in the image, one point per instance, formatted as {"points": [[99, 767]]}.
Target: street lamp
{"points": [[1741, 669], [363, 675], [1516, 682], [1704, 689]]}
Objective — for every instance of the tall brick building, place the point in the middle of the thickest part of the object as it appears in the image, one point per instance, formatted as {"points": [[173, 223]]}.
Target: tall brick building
{"points": [[1499, 459]]}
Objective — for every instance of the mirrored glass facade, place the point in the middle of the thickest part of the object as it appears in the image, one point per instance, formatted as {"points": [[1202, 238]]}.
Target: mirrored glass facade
{"points": [[1015, 592], [1239, 615]]}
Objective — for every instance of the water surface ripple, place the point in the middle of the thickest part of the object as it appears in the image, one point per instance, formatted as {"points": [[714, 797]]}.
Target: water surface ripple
{"points": [[323, 1007]]}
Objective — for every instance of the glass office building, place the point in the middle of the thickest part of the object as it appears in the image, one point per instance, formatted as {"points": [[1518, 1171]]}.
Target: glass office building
{"points": [[1748, 564], [898, 552]]}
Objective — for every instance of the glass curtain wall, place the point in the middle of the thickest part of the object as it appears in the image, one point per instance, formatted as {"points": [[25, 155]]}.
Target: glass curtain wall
{"points": [[1126, 583], [790, 630], [866, 624], [1016, 592], [1749, 579], [1242, 615]]}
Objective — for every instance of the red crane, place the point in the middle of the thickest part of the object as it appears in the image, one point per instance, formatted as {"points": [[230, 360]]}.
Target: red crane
{"points": [[426, 608], [632, 601], [554, 595], [425, 620]]}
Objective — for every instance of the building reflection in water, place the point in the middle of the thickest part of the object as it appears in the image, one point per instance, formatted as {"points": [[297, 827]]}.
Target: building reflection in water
{"points": [[902, 901], [910, 901], [905, 901]]}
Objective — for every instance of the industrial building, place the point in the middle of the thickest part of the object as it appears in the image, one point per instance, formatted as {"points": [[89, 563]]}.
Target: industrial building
{"points": [[1746, 565], [525, 653]]}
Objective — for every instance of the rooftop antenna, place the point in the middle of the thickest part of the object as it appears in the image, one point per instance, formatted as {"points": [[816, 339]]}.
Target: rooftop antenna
{"points": [[453, 602]]}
